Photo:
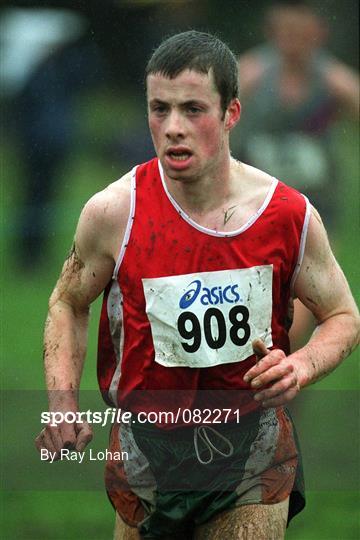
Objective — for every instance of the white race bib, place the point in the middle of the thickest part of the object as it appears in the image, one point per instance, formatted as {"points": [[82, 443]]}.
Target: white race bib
{"points": [[209, 318]]}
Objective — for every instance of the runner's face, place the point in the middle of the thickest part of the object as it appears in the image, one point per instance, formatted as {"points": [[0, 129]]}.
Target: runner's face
{"points": [[297, 35], [186, 122]]}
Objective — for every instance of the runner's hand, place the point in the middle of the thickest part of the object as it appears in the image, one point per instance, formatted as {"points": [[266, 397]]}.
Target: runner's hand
{"points": [[74, 436], [276, 373]]}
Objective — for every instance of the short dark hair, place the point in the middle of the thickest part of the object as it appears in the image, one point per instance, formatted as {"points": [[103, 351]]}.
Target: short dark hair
{"points": [[200, 52]]}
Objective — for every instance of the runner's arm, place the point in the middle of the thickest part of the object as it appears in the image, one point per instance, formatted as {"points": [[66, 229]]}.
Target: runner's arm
{"points": [[343, 83], [321, 286], [84, 276]]}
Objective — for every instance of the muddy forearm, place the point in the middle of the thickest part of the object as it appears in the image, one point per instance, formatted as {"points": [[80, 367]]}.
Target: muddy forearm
{"points": [[64, 353], [332, 342]]}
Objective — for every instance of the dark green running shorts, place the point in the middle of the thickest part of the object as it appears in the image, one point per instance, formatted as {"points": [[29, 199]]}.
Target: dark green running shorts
{"points": [[176, 479]]}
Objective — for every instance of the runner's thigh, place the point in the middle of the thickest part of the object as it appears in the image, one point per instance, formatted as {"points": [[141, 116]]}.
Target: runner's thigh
{"points": [[123, 531], [248, 522]]}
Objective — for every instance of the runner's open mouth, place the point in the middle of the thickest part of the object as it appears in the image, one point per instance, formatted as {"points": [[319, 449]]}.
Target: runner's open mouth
{"points": [[179, 155]]}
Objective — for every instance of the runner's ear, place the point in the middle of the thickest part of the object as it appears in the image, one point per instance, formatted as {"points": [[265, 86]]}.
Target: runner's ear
{"points": [[232, 114]]}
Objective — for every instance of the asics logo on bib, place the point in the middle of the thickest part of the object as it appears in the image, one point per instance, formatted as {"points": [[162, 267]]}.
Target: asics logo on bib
{"points": [[215, 295]]}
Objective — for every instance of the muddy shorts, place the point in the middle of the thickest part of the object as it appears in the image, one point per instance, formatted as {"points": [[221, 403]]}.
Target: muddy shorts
{"points": [[173, 480]]}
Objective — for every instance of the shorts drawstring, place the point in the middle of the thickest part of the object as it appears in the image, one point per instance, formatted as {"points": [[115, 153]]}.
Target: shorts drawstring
{"points": [[202, 433]]}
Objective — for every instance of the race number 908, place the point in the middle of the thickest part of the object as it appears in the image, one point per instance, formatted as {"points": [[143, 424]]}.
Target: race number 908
{"points": [[189, 328]]}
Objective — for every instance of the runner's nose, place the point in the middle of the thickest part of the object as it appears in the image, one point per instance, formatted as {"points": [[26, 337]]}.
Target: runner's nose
{"points": [[175, 127]]}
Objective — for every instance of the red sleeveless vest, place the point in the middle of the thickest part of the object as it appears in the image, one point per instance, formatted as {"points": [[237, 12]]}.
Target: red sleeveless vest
{"points": [[185, 302]]}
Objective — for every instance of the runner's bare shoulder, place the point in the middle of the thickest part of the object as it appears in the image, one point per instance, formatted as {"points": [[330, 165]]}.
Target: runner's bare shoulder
{"points": [[258, 181], [105, 215]]}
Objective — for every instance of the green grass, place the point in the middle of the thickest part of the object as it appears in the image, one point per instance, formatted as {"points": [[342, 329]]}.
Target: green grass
{"points": [[328, 516], [330, 436], [57, 515]]}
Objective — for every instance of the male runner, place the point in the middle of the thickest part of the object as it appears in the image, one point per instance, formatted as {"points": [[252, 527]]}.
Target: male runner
{"points": [[293, 91], [199, 256]]}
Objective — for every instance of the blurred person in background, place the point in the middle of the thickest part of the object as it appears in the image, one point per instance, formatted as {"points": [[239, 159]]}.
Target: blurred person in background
{"points": [[252, 243], [49, 60], [46, 127], [292, 92], [61, 52]]}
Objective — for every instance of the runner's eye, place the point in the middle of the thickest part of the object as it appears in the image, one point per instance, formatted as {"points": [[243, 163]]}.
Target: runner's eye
{"points": [[159, 109], [194, 110]]}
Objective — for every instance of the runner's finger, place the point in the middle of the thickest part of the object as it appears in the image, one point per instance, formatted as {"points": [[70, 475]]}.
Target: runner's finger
{"points": [[56, 438], [68, 435], [272, 374], [273, 358], [280, 399], [84, 437], [39, 441], [279, 387], [259, 348], [48, 443]]}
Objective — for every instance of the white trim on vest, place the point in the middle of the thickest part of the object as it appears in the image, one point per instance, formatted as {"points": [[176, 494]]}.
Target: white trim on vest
{"points": [[211, 232], [302, 245], [128, 225]]}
